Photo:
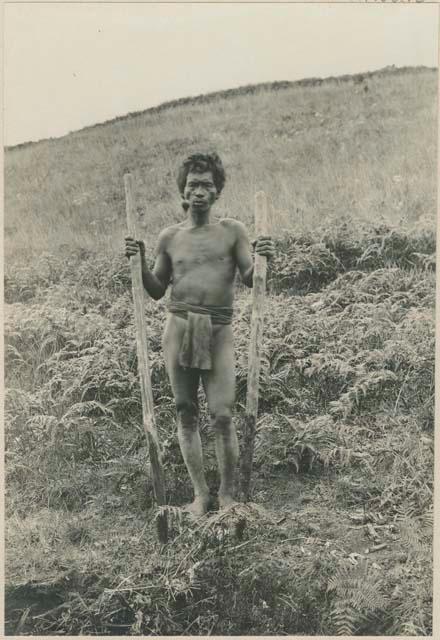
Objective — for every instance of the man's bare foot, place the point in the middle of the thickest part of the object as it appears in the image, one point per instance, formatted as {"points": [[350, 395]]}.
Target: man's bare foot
{"points": [[198, 507], [226, 501]]}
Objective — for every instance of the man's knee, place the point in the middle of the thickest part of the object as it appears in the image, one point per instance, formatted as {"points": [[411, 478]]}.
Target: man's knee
{"points": [[222, 419], [187, 414]]}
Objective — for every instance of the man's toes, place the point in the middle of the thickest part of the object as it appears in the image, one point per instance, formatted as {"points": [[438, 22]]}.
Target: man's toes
{"points": [[198, 507], [226, 501]]}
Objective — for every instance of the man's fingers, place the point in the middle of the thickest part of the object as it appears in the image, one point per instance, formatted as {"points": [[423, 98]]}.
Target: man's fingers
{"points": [[263, 239], [131, 246], [265, 243], [266, 252], [265, 246]]}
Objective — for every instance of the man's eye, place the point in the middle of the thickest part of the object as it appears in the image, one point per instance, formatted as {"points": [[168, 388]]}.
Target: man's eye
{"points": [[204, 185]]}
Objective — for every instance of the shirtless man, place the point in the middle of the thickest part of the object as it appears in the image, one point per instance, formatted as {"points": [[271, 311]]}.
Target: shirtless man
{"points": [[199, 258]]}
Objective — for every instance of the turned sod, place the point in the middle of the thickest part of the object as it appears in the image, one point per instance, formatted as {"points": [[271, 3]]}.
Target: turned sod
{"points": [[144, 367], [258, 299]]}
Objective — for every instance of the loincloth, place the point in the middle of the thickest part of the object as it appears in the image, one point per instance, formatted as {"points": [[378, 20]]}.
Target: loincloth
{"points": [[196, 348]]}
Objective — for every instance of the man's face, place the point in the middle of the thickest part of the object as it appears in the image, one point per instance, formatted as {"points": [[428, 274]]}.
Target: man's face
{"points": [[200, 191]]}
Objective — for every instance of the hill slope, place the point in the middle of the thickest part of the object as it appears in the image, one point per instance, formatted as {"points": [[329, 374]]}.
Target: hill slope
{"points": [[340, 538], [349, 147]]}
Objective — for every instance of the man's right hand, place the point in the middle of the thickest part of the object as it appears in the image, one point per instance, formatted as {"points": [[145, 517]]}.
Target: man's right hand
{"points": [[132, 246]]}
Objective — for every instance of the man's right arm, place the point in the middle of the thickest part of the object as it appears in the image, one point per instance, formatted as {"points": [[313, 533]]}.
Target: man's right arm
{"points": [[243, 254], [156, 281], [264, 246]]}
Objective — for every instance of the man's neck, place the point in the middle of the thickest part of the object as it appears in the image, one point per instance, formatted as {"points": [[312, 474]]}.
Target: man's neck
{"points": [[196, 219]]}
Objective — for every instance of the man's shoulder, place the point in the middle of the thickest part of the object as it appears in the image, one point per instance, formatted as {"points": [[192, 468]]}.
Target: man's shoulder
{"points": [[164, 239], [233, 224], [168, 233]]}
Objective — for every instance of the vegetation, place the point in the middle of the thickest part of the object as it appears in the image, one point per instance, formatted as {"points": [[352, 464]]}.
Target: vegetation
{"points": [[339, 538]]}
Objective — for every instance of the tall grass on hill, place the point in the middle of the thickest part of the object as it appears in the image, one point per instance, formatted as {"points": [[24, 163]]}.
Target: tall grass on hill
{"points": [[347, 388], [318, 151], [344, 447]]}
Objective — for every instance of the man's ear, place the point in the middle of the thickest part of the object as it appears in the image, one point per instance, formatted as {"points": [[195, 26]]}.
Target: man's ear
{"points": [[185, 204]]}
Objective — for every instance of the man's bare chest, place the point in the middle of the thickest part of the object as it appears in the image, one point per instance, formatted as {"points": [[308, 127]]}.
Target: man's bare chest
{"points": [[201, 246]]}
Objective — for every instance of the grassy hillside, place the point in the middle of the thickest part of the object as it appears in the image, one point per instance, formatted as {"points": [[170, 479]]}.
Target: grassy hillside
{"points": [[352, 148], [338, 540]]}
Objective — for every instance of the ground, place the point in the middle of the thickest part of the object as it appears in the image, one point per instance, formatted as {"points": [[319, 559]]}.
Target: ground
{"points": [[344, 451], [303, 522]]}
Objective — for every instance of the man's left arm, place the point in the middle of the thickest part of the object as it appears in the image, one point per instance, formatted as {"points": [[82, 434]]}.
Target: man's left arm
{"points": [[264, 246]]}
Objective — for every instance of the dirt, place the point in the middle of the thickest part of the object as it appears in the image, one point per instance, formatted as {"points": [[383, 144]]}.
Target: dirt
{"points": [[303, 505], [304, 519]]}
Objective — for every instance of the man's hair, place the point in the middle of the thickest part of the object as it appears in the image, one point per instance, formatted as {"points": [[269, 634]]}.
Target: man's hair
{"points": [[199, 163]]}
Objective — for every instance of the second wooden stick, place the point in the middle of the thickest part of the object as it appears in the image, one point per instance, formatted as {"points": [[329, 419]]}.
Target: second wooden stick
{"points": [[257, 323]]}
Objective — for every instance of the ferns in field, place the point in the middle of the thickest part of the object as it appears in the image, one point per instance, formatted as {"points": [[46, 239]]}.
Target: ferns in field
{"points": [[365, 386], [346, 383], [357, 597], [411, 600], [410, 537], [415, 531], [284, 441], [409, 455]]}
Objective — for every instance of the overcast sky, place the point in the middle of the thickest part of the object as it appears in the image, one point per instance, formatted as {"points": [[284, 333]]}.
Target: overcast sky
{"points": [[71, 65]]}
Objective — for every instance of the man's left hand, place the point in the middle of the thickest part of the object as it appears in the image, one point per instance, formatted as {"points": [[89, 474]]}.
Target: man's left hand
{"points": [[265, 246]]}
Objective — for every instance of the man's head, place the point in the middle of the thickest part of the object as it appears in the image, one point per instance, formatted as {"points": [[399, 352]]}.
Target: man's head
{"points": [[200, 179]]}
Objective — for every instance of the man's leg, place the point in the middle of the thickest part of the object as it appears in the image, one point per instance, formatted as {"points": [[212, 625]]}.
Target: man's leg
{"points": [[184, 383], [219, 386]]}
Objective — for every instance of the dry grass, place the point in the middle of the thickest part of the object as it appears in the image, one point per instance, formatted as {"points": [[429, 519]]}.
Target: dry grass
{"points": [[344, 447], [318, 151]]}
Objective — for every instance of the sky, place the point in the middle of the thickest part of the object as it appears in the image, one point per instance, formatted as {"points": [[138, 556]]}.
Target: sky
{"points": [[71, 65]]}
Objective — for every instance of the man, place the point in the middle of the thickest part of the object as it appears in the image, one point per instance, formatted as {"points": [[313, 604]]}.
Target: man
{"points": [[200, 257]]}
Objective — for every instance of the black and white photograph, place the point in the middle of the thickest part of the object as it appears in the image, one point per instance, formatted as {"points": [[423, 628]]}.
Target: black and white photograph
{"points": [[219, 318]]}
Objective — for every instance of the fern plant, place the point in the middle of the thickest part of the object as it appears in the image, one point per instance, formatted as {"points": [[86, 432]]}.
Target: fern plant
{"points": [[357, 598]]}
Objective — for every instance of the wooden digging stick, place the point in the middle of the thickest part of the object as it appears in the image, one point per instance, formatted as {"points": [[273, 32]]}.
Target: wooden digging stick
{"points": [[258, 296], [144, 367]]}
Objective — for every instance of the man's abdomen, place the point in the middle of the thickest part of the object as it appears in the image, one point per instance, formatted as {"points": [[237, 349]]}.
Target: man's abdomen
{"points": [[205, 285]]}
